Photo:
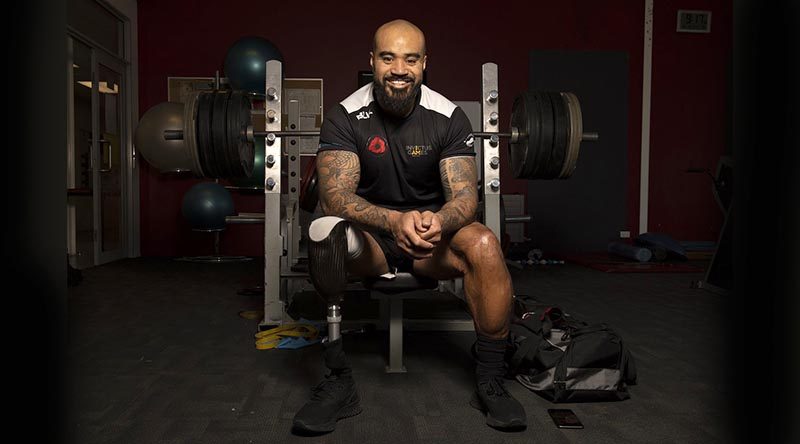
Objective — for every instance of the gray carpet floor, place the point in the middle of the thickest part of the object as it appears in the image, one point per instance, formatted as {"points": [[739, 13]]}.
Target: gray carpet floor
{"points": [[158, 353]]}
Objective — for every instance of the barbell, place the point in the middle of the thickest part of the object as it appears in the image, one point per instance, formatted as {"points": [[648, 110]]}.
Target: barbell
{"points": [[217, 133]]}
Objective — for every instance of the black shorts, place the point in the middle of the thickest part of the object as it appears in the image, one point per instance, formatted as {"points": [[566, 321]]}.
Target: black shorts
{"points": [[397, 259]]}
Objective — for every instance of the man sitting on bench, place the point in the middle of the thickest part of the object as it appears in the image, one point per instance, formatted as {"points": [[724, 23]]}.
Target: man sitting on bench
{"points": [[398, 183]]}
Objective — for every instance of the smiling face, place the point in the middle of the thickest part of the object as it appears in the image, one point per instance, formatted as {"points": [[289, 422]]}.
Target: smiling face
{"points": [[398, 60]]}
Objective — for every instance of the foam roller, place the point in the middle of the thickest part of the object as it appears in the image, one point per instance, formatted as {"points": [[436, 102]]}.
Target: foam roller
{"points": [[631, 252]]}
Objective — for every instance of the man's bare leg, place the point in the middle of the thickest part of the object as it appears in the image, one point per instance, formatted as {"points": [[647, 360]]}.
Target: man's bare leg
{"points": [[475, 253]]}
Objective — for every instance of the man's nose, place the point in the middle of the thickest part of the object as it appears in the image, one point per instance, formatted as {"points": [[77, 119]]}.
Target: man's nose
{"points": [[399, 67]]}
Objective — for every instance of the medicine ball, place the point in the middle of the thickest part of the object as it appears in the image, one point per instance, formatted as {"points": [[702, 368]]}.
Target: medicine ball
{"points": [[245, 63], [205, 206]]}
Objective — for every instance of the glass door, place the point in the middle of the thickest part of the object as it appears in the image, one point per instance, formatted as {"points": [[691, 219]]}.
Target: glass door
{"points": [[108, 154], [80, 179]]}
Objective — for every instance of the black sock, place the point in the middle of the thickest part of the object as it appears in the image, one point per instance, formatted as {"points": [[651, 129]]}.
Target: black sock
{"points": [[335, 359], [490, 357]]}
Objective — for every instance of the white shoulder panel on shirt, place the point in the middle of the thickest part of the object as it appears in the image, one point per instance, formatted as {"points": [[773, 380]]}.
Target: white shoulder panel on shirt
{"points": [[359, 99], [436, 102]]}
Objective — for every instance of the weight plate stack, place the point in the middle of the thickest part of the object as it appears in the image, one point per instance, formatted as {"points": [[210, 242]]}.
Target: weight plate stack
{"points": [[545, 141], [205, 147], [239, 118], [219, 140], [517, 148]]}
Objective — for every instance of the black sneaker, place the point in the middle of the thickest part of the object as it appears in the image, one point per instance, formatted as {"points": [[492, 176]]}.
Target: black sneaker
{"points": [[331, 400], [501, 409]]}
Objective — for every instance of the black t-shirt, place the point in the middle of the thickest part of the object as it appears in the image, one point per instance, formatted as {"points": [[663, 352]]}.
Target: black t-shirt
{"points": [[399, 157]]}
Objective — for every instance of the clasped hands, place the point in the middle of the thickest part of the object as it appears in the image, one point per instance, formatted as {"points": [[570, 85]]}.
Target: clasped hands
{"points": [[417, 233]]}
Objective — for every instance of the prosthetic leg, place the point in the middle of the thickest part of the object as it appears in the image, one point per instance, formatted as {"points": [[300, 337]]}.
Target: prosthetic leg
{"points": [[332, 242]]}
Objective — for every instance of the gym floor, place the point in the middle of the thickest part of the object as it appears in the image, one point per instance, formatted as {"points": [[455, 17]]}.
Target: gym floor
{"points": [[158, 353]]}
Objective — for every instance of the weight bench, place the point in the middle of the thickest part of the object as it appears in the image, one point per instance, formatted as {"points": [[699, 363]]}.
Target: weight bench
{"points": [[392, 291]]}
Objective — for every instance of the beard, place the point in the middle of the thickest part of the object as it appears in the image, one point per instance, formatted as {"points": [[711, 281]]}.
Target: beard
{"points": [[398, 103]]}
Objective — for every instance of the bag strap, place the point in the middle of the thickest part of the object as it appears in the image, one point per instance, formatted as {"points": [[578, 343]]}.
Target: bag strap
{"points": [[528, 348], [589, 329]]}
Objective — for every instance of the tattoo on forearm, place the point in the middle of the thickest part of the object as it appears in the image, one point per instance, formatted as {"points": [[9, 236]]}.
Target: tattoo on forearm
{"points": [[459, 183], [338, 174], [448, 191]]}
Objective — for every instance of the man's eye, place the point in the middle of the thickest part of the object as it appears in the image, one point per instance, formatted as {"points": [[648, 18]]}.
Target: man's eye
{"points": [[411, 61], [387, 59]]}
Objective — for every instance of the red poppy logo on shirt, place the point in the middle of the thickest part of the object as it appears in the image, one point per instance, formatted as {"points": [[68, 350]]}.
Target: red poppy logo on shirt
{"points": [[377, 145]]}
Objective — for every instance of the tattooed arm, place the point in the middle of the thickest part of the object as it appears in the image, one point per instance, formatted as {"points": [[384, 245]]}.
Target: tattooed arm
{"points": [[460, 184], [338, 173]]}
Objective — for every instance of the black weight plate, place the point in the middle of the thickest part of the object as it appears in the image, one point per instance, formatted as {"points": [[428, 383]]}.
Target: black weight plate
{"points": [[518, 150], [560, 136], [535, 137], [204, 146], [548, 133], [544, 143], [245, 150], [218, 137], [231, 139], [213, 155], [549, 164], [535, 140], [231, 150], [529, 118]]}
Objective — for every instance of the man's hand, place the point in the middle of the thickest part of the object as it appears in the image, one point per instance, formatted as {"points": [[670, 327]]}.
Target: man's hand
{"points": [[431, 230], [406, 228]]}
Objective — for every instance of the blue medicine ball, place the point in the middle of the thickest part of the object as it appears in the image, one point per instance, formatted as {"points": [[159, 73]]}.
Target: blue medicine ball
{"points": [[245, 63], [205, 206]]}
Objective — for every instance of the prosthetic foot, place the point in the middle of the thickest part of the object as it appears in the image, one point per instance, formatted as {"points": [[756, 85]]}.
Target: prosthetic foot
{"points": [[332, 399]]}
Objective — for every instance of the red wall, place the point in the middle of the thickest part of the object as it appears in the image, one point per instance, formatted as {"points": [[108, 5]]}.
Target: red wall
{"points": [[332, 41], [689, 119]]}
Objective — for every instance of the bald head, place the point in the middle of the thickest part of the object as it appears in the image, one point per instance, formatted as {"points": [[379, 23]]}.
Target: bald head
{"points": [[398, 63], [398, 29]]}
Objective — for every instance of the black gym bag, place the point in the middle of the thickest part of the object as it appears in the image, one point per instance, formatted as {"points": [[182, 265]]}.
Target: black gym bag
{"points": [[564, 359]]}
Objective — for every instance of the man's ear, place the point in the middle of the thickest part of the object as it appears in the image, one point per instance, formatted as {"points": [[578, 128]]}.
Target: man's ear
{"points": [[424, 62], [371, 62]]}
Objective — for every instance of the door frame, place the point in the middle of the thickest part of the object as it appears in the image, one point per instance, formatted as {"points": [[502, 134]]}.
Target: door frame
{"points": [[128, 118]]}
